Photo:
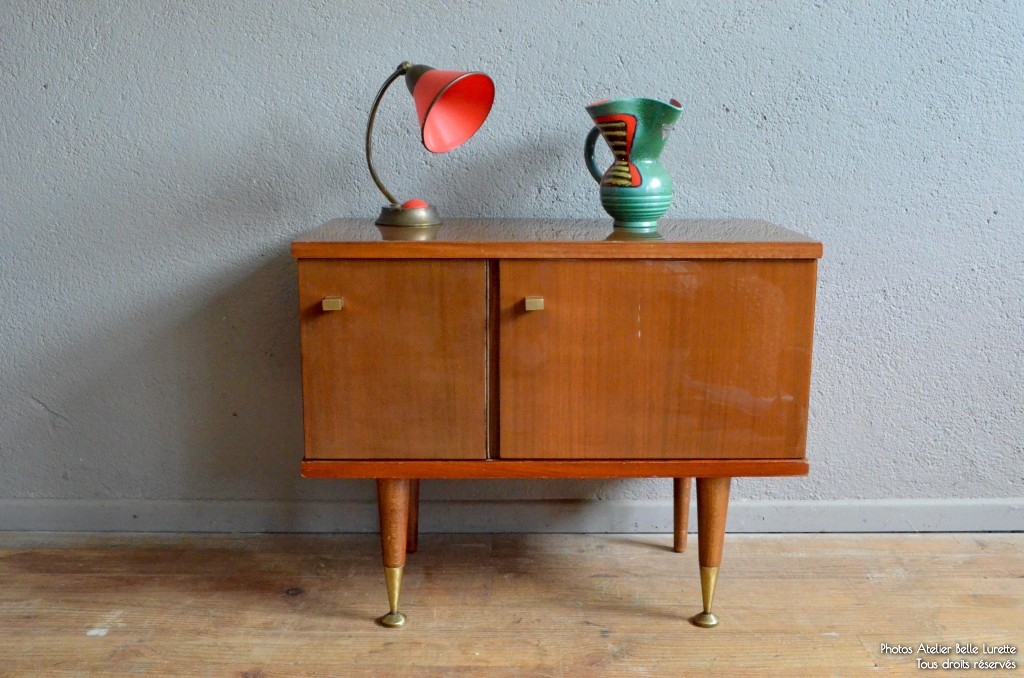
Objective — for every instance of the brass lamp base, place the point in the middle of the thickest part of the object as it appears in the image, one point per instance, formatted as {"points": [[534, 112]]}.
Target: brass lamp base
{"points": [[398, 222]]}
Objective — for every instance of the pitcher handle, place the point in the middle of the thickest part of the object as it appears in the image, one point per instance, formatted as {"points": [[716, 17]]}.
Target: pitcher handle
{"points": [[588, 154]]}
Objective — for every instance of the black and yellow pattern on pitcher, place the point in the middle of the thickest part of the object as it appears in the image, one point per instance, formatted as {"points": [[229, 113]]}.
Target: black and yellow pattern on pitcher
{"points": [[618, 132]]}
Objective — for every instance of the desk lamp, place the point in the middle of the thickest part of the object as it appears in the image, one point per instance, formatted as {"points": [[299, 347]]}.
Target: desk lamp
{"points": [[451, 107]]}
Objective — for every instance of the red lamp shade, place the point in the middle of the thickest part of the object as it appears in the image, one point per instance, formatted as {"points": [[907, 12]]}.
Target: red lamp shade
{"points": [[451, 105]]}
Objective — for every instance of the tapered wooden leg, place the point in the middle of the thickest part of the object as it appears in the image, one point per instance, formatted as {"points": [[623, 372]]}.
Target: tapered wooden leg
{"points": [[712, 507], [393, 502], [680, 512], [413, 536]]}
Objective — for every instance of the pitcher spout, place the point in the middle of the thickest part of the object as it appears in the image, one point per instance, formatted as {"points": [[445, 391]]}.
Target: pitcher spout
{"points": [[671, 111], [653, 109]]}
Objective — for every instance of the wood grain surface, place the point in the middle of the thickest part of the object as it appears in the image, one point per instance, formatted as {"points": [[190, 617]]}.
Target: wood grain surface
{"points": [[393, 508], [655, 359], [498, 605], [400, 371], [680, 512], [561, 238], [634, 468], [712, 511]]}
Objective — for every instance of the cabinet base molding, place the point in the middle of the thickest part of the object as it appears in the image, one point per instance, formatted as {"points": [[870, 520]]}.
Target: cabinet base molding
{"points": [[651, 468]]}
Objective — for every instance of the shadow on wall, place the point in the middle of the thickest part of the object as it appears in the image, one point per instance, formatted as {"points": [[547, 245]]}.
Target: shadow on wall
{"points": [[241, 417], [172, 370], [201, 404], [511, 180]]}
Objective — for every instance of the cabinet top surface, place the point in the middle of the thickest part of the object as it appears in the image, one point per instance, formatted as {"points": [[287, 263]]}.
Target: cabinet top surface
{"points": [[560, 238]]}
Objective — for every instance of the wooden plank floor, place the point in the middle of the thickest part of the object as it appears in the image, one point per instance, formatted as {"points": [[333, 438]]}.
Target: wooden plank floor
{"points": [[501, 605]]}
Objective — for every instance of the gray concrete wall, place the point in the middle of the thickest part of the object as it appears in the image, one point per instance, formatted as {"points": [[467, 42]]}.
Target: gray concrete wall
{"points": [[156, 159]]}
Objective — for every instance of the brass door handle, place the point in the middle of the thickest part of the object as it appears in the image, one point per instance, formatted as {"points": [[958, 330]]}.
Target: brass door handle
{"points": [[332, 303], [534, 303]]}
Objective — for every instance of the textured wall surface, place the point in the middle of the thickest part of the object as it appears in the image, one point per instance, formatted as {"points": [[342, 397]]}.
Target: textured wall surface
{"points": [[156, 159]]}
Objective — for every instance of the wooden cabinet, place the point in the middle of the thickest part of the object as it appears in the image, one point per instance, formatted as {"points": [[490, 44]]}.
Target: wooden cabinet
{"points": [[521, 349]]}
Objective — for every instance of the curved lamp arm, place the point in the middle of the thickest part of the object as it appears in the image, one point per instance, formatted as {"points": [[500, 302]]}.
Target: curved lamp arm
{"points": [[402, 69]]}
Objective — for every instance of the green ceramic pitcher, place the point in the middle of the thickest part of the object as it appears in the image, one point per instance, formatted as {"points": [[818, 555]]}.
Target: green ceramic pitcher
{"points": [[635, 190]]}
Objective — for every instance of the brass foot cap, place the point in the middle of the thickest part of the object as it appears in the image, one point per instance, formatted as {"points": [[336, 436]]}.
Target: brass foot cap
{"points": [[392, 620], [705, 620]]}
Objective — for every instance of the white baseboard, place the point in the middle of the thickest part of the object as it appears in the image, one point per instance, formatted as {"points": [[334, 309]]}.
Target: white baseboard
{"points": [[907, 515]]}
